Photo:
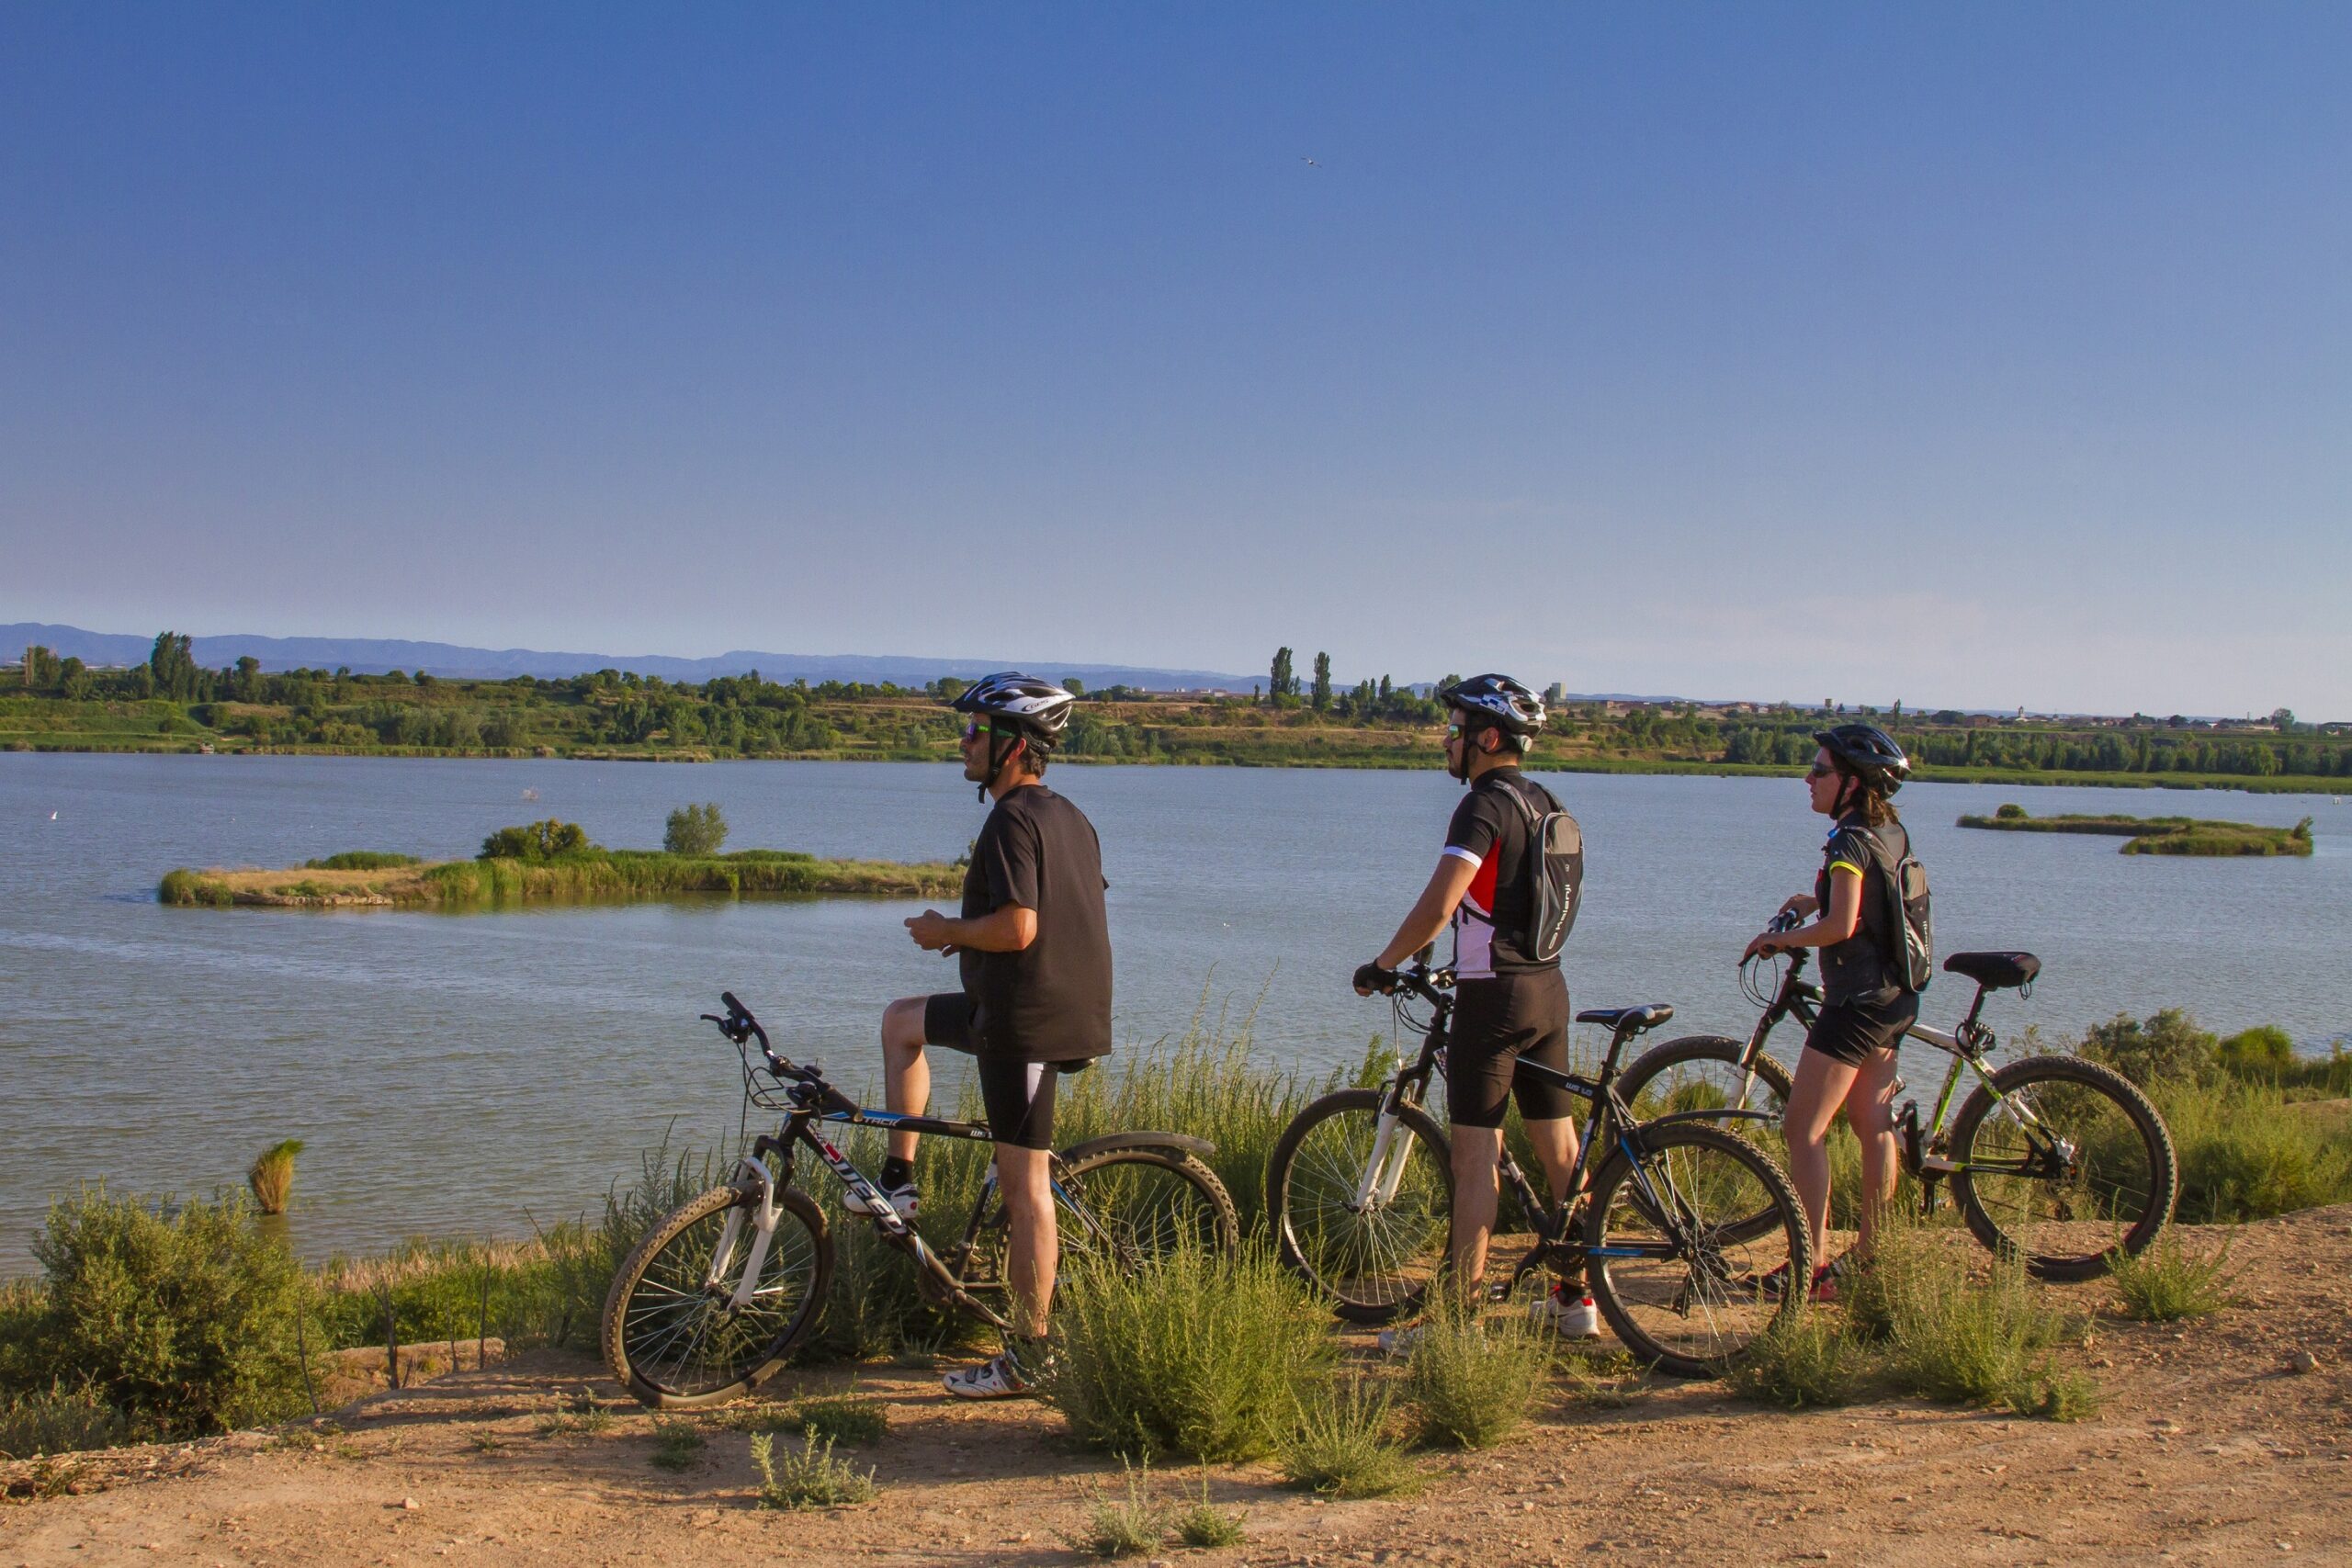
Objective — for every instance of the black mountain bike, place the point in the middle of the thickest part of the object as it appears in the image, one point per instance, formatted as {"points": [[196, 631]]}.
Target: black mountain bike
{"points": [[717, 1294], [1360, 1190], [2060, 1160]]}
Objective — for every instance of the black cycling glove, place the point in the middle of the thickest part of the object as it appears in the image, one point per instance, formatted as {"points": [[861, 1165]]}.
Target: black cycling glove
{"points": [[1372, 977]]}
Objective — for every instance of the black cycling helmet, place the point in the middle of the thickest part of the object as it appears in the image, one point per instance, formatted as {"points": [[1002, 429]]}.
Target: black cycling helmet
{"points": [[1020, 707], [1868, 752], [1497, 699]]}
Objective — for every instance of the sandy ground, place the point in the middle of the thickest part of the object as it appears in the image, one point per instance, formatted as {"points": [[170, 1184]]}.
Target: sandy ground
{"points": [[2206, 1450]]}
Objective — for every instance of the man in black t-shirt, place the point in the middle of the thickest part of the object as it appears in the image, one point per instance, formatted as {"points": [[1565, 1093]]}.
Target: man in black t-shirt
{"points": [[1508, 1004], [1033, 948]]}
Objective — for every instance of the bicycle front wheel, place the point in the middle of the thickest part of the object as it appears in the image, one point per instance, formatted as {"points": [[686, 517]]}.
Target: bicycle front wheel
{"points": [[2062, 1161], [1369, 1235], [1677, 1258], [673, 1335]]}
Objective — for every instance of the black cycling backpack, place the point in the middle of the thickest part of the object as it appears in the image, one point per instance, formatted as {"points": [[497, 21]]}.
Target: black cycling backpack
{"points": [[1910, 925], [1554, 875]]}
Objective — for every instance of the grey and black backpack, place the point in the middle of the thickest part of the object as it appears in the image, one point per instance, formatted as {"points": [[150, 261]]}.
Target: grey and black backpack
{"points": [[1555, 873]]}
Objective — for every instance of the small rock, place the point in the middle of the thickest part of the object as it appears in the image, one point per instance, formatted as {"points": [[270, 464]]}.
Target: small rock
{"points": [[410, 1504], [2301, 1361]]}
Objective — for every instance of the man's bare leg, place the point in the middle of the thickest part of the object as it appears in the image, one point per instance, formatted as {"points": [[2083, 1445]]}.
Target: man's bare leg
{"points": [[906, 1074], [1477, 1153], [1025, 1178]]}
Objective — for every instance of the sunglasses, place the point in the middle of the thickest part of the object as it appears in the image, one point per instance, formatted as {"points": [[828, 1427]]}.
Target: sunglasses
{"points": [[1819, 773], [974, 730], [1453, 732]]}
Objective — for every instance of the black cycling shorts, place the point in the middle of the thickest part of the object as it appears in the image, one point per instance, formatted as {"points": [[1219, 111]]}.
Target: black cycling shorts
{"points": [[1852, 1032], [1498, 1022], [1017, 1096]]}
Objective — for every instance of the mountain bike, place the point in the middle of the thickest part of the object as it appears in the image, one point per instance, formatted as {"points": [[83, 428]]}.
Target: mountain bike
{"points": [[2057, 1159], [717, 1295], [1360, 1188]]}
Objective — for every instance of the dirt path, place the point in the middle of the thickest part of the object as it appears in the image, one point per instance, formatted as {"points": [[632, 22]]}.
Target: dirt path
{"points": [[2207, 1451]]}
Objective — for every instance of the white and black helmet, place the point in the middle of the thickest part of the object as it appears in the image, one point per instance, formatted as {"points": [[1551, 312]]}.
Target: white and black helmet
{"points": [[1038, 709], [1868, 752], [1497, 699]]}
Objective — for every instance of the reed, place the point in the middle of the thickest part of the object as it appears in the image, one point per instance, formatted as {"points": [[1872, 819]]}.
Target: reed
{"points": [[272, 1176]]}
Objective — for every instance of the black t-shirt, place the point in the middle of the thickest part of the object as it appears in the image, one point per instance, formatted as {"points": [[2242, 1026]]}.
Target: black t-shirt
{"points": [[1051, 1002], [1856, 970], [1490, 831]]}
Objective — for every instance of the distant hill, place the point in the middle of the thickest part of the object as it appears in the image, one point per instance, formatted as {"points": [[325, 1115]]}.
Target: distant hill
{"points": [[376, 655]]}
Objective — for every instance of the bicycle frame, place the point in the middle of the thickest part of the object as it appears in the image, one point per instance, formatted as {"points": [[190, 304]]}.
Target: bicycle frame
{"points": [[1968, 1045], [1608, 1123]]}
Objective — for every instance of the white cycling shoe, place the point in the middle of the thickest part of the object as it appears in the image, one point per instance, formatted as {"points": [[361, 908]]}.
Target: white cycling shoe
{"points": [[1572, 1317], [999, 1377]]}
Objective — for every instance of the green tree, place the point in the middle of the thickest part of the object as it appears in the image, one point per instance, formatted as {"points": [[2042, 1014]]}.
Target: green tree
{"points": [[694, 830], [1074, 687], [1322, 682], [173, 666], [1283, 683], [41, 669]]}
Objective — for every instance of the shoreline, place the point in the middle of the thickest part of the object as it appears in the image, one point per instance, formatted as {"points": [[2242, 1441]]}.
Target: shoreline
{"points": [[2308, 784]]}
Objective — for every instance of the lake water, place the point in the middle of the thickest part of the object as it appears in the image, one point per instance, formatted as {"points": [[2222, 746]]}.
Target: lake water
{"points": [[458, 1073]]}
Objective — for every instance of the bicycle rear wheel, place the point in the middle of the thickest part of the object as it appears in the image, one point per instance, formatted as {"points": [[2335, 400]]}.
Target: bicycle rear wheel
{"points": [[1122, 1206], [2092, 1171], [1373, 1256], [1703, 1071], [671, 1335], [1678, 1261]]}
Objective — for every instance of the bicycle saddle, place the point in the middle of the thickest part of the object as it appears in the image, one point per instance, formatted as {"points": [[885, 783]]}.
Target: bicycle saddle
{"points": [[1628, 1020], [1995, 971]]}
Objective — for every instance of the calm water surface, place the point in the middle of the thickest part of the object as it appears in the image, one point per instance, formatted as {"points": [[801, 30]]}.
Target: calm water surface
{"points": [[458, 1073]]}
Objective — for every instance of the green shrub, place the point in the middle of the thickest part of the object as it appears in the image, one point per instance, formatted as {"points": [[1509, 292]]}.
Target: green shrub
{"points": [[1341, 1444], [1986, 1341], [181, 1315], [1807, 1362], [1471, 1384], [545, 840], [2009, 812], [2245, 1153], [1200, 1524], [440, 1291], [1122, 1527], [2167, 1048], [59, 1421], [2168, 1283], [24, 1310], [810, 1478], [361, 860], [1186, 1354], [694, 830], [2261, 1054]]}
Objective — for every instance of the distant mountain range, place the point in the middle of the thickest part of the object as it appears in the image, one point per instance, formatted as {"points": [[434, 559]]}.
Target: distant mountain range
{"points": [[376, 655]]}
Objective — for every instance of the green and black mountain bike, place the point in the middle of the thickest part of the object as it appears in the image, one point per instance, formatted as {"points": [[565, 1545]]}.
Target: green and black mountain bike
{"points": [[717, 1295], [2058, 1159], [1673, 1223]]}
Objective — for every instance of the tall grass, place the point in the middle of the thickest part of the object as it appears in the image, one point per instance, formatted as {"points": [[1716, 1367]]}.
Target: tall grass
{"points": [[1470, 1383], [1969, 1329], [2246, 1153], [272, 1176], [1811, 1361], [1342, 1444], [2170, 1283]]}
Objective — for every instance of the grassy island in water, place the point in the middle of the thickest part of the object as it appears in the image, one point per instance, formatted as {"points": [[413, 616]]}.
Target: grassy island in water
{"points": [[551, 863], [2160, 835]]}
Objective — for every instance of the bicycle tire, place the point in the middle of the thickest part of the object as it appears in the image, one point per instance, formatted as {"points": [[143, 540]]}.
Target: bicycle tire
{"points": [[1139, 1202], [1714, 1268], [1698, 1053], [657, 1293], [2134, 1181], [1371, 1269]]}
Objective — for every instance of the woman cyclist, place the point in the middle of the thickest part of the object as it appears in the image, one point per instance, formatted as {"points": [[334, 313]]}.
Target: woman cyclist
{"points": [[1849, 1058]]}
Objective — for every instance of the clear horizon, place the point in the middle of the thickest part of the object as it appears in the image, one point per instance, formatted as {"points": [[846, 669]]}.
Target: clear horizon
{"points": [[1976, 359]]}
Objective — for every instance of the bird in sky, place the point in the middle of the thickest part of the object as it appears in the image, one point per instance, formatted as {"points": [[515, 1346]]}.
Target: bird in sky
{"points": [[1309, 162]]}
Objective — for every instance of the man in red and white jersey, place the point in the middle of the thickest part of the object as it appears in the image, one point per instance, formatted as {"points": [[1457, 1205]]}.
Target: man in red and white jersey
{"points": [[1508, 1003]]}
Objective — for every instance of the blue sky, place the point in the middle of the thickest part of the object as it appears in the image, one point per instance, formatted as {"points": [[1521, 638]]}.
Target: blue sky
{"points": [[1976, 355]]}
